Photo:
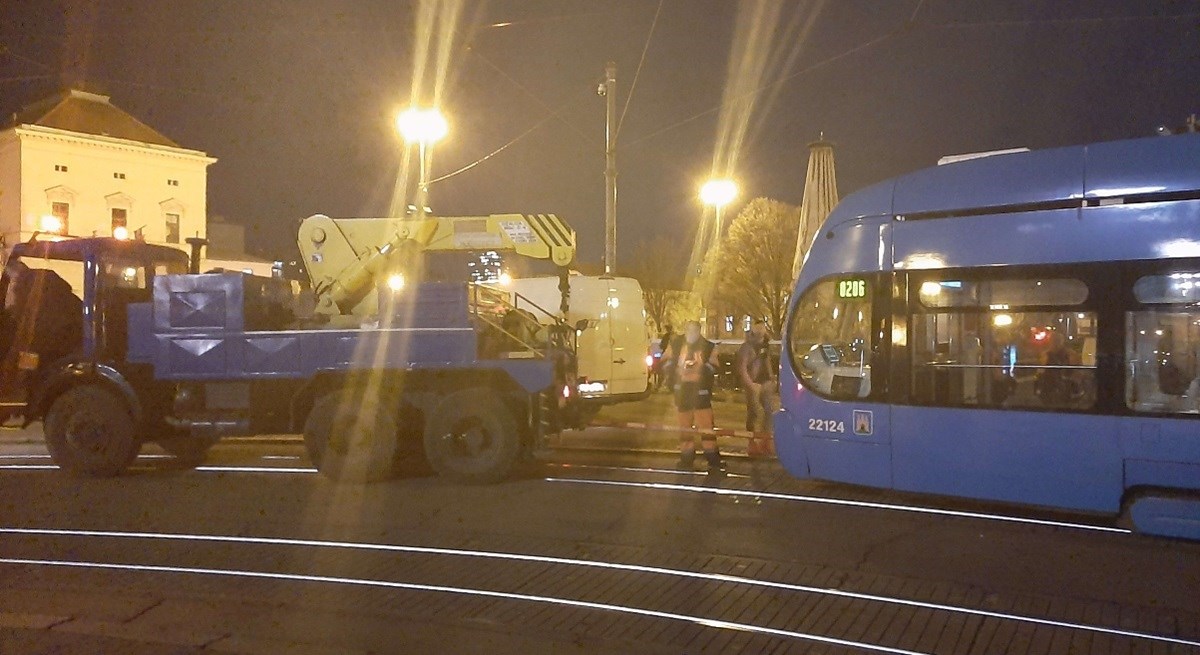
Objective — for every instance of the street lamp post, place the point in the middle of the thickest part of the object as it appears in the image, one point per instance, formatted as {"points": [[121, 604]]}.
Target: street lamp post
{"points": [[716, 193], [423, 127]]}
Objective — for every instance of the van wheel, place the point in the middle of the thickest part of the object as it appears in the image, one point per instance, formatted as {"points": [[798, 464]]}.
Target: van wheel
{"points": [[473, 437], [351, 436], [89, 431]]}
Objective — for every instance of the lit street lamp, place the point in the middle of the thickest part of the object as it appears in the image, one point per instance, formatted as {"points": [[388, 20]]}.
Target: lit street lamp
{"points": [[716, 193], [423, 127]]}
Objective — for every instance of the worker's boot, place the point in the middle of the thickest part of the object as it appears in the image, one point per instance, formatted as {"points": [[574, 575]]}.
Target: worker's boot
{"points": [[715, 465], [760, 445], [687, 459]]}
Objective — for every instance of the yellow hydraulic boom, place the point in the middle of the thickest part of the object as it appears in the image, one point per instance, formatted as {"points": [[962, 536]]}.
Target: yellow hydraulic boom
{"points": [[347, 258]]}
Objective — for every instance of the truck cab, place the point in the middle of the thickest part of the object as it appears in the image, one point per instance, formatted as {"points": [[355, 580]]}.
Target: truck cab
{"points": [[64, 336]]}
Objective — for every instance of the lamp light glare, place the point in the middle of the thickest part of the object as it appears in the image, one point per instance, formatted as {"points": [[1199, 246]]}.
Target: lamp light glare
{"points": [[423, 126], [718, 193], [51, 224]]}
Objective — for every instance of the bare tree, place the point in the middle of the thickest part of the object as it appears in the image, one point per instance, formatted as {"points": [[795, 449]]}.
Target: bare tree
{"points": [[655, 266], [752, 271]]}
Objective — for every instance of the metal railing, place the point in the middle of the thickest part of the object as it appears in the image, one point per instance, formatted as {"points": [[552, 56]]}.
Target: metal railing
{"points": [[500, 311]]}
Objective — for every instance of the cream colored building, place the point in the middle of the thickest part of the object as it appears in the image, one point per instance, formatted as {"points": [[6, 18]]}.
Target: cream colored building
{"points": [[75, 164]]}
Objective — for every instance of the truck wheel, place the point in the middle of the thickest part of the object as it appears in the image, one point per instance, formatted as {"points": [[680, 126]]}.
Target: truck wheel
{"points": [[351, 436], [472, 437], [89, 431], [188, 451]]}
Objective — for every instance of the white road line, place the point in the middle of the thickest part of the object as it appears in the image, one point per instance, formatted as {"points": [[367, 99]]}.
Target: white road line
{"points": [[468, 591], [640, 469], [147, 456], [635, 568], [841, 501], [697, 489], [255, 469], [206, 469]]}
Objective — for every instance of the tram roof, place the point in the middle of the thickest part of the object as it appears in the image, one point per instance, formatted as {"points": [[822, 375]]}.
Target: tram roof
{"points": [[1153, 166]]}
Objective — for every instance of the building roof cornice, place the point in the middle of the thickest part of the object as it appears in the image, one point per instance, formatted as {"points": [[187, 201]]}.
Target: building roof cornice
{"points": [[55, 134]]}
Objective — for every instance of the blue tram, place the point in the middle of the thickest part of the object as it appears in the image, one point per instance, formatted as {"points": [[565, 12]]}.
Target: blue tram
{"points": [[1022, 327]]}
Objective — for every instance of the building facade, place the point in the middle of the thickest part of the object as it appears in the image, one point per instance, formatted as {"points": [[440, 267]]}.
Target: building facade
{"points": [[75, 164]]}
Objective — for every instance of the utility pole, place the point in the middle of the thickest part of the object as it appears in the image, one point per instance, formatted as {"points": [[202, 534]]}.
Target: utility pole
{"points": [[610, 169]]}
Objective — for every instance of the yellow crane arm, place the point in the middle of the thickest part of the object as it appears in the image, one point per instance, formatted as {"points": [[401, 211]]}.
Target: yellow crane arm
{"points": [[346, 257]]}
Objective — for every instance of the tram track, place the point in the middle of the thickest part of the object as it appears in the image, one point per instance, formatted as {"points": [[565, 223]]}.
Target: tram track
{"points": [[700, 596], [667, 598], [744, 488]]}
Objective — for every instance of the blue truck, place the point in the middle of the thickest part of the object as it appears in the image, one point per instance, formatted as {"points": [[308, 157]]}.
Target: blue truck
{"points": [[140, 346]]}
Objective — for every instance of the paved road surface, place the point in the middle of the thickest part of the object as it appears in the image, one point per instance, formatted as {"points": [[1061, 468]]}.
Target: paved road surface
{"points": [[587, 552]]}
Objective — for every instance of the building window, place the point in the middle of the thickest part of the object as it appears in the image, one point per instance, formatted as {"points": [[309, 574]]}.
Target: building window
{"points": [[118, 176], [172, 182], [61, 168], [172, 228], [728, 324], [746, 324], [56, 223], [120, 217]]}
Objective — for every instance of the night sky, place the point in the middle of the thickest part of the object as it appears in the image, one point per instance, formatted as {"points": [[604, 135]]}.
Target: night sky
{"points": [[296, 98]]}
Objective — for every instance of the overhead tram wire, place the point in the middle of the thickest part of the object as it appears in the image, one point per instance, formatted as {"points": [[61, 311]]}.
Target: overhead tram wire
{"points": [[1063, 21], [511, 142], [637, 73], [25, 78], [913, 18], [768, 86], [910, 25], [490, 64]]}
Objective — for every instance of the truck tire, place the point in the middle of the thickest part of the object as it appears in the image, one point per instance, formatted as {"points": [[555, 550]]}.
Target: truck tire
{"points": [[90, 431], [472, 437], [351, 436]]}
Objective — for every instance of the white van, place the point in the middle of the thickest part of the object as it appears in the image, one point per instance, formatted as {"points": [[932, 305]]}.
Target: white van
{"points": [[613, 360]]}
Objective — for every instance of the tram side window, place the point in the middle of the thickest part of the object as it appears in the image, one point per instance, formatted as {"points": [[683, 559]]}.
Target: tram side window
{"points": [[830, 337], [973, 350], [1162, 345]]}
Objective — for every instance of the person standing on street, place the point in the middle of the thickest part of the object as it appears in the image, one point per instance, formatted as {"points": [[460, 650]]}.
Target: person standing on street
{"points": [[754, 369], [693, 361], [660, 364]]}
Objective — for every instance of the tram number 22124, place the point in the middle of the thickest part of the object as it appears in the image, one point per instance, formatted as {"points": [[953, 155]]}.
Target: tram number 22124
{"points": [[826, 425]]}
